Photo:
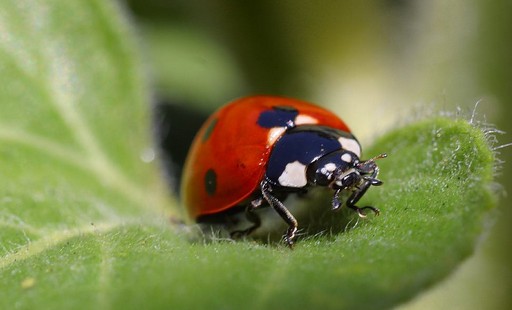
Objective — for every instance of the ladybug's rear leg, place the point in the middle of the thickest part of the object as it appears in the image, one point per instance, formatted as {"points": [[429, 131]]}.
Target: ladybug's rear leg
{"points": [[251, 217], [280, 208]]}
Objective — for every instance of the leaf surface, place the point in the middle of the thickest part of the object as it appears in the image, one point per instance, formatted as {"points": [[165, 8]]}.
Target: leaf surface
{"points": [[82, 217]]}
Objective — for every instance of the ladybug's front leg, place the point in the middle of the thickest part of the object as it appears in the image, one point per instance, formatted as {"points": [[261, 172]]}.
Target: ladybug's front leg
{"points": [[280, 208], [354, 198]]}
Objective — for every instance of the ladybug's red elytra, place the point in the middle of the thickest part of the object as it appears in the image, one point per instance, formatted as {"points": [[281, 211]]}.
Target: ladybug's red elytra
{"points": [[254, 151]]}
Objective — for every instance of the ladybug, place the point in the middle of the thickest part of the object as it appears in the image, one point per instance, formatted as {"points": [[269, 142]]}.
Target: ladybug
{"points": [[255, 151]]}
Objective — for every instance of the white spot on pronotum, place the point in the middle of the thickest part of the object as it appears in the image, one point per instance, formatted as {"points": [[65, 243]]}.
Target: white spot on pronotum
{"points": [[346, 158], [330, 167], [305, 119], [274, 134], [294, 175], [350, 144]]}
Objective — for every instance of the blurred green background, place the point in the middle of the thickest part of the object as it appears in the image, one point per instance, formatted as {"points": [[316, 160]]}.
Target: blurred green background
{"points": [[376, 63]]}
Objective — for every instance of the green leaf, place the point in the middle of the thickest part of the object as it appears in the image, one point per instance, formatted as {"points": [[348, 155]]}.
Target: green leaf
{"points": [[73, 125], [82, 218]]}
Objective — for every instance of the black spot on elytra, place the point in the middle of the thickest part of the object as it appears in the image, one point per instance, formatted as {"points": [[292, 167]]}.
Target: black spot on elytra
{"points": [[209, 130], [210, 182], [279, 116]]}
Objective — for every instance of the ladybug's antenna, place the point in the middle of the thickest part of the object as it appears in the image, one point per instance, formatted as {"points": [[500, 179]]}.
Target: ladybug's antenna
{"points": [[370, 167], [380, 156]]}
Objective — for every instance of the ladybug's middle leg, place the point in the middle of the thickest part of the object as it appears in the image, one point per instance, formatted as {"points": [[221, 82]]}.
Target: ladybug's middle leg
{"points": [[280, 208]]}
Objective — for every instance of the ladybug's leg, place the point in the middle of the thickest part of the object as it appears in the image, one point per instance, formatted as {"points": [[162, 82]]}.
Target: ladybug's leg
{"points": [[279, 207], [354, 198], [251, 217]]}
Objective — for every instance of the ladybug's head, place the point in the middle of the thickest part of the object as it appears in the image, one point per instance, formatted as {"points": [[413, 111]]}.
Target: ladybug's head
{"points": [[343, 171]]}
